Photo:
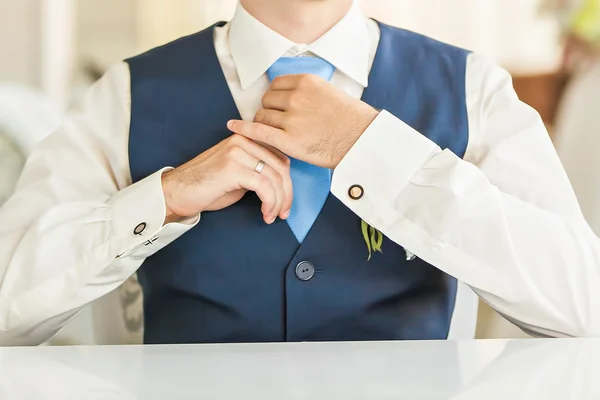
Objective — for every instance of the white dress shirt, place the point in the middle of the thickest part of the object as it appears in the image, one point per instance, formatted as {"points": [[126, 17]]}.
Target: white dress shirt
{"points": [[26, 117], [11, 163], [504, 220]]}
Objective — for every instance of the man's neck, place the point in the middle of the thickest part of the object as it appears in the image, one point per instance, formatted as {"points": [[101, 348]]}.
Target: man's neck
{"points": [[301, 21]]}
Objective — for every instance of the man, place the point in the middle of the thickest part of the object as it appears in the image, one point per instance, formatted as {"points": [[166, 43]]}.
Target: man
{"points": [[439, 178]]}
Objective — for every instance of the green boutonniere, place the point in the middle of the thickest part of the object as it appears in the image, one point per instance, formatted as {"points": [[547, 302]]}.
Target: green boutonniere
{"points": [[373, 238]]}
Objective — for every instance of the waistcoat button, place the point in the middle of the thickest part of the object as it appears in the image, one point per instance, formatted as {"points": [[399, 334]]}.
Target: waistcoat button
{"points": [[305, 271]]}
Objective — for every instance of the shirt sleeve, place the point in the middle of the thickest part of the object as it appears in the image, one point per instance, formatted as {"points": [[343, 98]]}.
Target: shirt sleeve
{"points": [[76, 228], [504, 219]]}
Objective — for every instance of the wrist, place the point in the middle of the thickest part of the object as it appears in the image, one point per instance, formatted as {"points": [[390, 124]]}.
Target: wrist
{"points": [[365, 116], [169, 197], [369, 116]]}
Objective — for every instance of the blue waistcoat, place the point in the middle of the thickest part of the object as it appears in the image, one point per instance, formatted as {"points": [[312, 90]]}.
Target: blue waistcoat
{"points": [[232, 278]]}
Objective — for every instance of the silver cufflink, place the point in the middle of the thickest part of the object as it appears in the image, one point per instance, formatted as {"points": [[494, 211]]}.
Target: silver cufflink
{"points": [[140, 229]]}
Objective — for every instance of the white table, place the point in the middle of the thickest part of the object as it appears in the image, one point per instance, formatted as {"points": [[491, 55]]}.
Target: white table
{"points": [[478, 370]]}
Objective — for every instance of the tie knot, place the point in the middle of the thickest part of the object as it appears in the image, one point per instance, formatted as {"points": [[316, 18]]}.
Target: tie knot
{"points": [[301, 65]]}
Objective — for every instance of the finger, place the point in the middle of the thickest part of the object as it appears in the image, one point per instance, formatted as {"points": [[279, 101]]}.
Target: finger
{"points": [[262, 186], [273, 118], [286, 82], [277, 100], [284, 170], [272, 207], [260, 150], [278, 161], [258, 132], [277, 183]]}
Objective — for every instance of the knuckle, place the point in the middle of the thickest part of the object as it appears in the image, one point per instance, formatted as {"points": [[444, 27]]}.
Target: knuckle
{"points": [[266, 98], [236, 139], [234, 152], [278, 80], [278, 178], [261, 181], [261, 115], [295, 99], [307, 80], [264, 184]]}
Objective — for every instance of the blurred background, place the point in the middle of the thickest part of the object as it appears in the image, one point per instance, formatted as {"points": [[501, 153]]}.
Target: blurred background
{"points": [[52, 50]]}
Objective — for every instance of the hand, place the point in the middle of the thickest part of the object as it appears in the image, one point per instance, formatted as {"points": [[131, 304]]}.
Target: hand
{"points": [[309, 119], [223, 174]]}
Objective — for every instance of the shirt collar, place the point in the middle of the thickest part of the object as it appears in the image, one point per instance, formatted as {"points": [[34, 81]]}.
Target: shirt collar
{"points": [[255, 47]]}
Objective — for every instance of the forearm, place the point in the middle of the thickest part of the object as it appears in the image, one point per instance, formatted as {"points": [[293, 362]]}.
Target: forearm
{"points": [[55, 259], [528, 263], [520, 241], [76, 227]]}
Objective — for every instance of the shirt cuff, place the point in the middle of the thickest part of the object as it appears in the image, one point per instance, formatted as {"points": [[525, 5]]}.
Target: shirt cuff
{"points": [[138, 214], [379, 166]]}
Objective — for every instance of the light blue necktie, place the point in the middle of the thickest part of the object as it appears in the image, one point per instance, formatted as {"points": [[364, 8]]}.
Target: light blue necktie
{"points": [[311, 183]]}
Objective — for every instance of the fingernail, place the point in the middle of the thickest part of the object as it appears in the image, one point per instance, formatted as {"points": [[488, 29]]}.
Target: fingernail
{"points": [[286, 214], [230, 124]]}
